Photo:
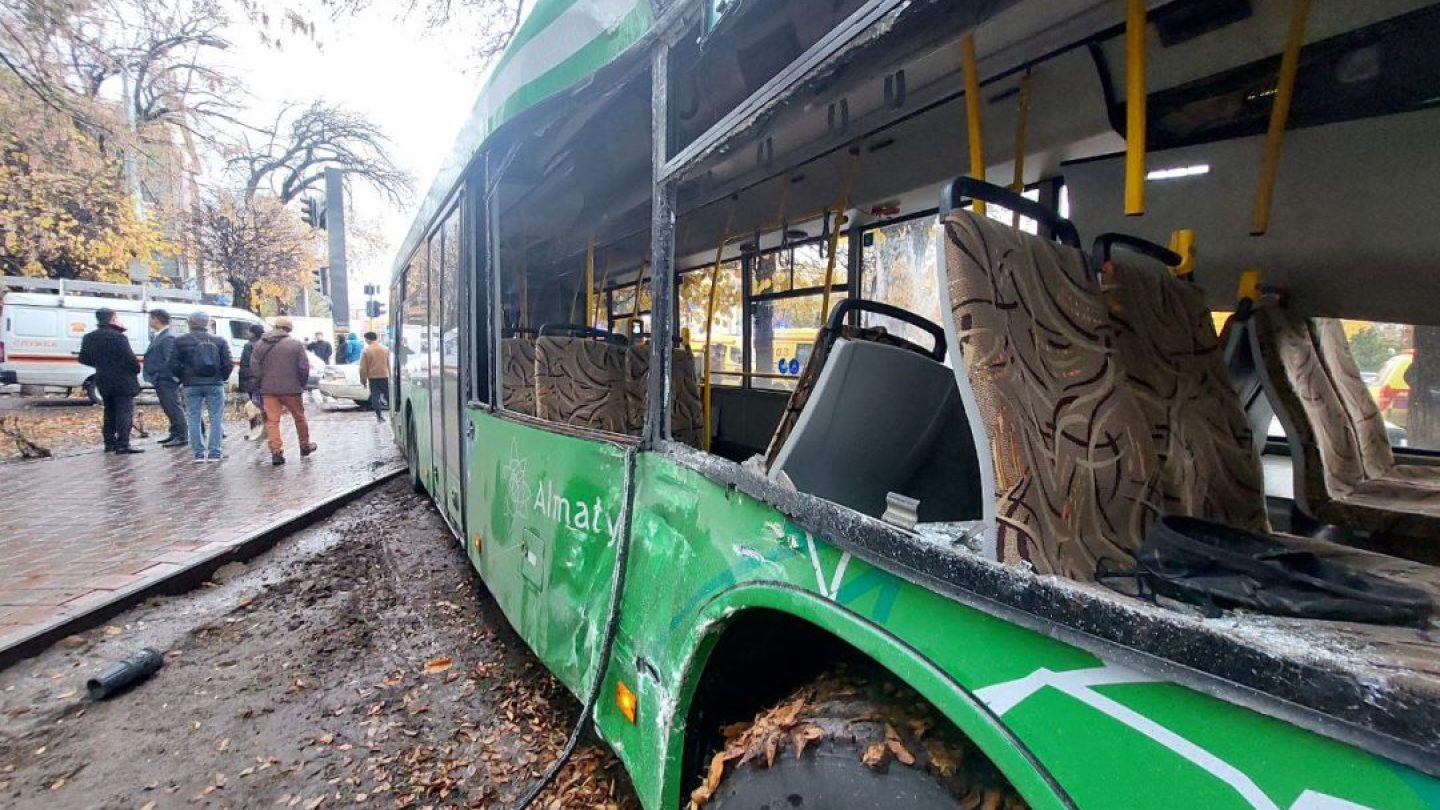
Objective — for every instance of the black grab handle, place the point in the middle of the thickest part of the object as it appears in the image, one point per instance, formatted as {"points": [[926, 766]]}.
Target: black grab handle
{"points": [[1105, 242], [837, 318], [968, 188], [580, 330]]}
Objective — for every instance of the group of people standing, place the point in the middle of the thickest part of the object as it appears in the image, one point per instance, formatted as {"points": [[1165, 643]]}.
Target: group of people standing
{"points": [[192, 368]]}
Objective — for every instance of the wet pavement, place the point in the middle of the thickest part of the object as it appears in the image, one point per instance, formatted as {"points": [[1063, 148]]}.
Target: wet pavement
{"points": [[83, 531]]}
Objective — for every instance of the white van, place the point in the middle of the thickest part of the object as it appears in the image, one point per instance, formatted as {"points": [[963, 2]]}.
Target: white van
{"points": [[43, 320]]}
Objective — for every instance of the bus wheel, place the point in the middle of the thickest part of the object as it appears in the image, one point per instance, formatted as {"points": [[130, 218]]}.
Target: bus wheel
{"points": [[412, 456], [856, 742]]}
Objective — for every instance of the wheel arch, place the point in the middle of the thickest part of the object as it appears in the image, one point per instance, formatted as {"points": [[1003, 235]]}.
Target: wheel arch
{"points": [[741, 627]]}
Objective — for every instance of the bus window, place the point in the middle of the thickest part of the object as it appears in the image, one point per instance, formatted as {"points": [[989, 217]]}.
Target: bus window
{"points": [[1396, 364], [899, 268], [787, 296], [726, 353]]}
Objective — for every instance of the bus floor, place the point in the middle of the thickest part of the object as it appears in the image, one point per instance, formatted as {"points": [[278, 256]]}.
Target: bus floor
{"points": [[360, 661]]}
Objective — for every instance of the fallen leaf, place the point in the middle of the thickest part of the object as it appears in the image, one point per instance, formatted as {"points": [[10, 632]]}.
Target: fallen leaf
{"points": [[223, 745], [58, 783], [112, 630], [874, 755], [893, 742], [437, 665], [802, 736]]}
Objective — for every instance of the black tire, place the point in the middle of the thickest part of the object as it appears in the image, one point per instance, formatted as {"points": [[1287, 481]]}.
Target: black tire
{"points": [[363, 403], [853, 742], [412, 456]]}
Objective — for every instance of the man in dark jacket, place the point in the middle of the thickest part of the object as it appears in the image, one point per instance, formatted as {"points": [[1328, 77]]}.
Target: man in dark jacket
{"points": [[117, 378], [321, 348], [280, 365], [157, 373], [249, 384], [202, 363]]}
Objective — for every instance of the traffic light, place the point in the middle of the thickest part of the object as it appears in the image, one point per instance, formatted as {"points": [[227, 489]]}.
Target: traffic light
{"points": [[374, 309], [312, 211], [322, 279]]}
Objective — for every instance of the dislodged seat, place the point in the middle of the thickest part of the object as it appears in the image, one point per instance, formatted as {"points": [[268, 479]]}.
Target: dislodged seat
{"points": [[855, 441], [517, 374], [581, 381], [809, 376], [1333, 479]]}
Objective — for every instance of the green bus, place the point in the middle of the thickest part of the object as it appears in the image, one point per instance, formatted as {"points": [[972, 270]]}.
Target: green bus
{"points": [[905, 569]]}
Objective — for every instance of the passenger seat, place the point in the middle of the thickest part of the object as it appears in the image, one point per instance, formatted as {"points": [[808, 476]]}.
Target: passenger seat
{"points": [[687, 416], [517, 374], [1333, 479], [580, 380], [877, 418], [1067, 462]]}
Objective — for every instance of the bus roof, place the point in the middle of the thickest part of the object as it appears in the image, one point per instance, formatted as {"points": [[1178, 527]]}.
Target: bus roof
{"points": [[560, 43]]}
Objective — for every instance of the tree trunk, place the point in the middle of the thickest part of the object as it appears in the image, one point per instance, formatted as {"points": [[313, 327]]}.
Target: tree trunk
{"points": [[1423, 417], [241, 295]]}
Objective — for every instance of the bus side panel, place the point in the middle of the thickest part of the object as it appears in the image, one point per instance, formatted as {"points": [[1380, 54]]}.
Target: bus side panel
{"points": [[548, 510], [701, 552]]}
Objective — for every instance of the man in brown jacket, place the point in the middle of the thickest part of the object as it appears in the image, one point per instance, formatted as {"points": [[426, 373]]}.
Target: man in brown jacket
{"points": [[280, 369], [375, 372]]}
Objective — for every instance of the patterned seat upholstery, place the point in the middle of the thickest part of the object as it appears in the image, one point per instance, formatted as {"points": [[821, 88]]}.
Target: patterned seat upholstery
{"points": [[581, 382], [1366, 421], [517, 374], [1065, 444], [805, 384], [1333, 481], [1175, 370], [687, 416]]}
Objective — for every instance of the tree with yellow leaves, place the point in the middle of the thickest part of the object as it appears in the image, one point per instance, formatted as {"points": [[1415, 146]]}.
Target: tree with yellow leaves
{"points": [[64, 209], [258, 246]]}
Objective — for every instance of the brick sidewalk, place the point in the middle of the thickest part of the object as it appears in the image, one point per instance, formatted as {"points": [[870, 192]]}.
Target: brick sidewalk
{"points": [[77, 533]]}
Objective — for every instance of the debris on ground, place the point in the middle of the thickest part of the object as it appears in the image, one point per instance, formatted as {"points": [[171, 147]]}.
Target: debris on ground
{"points": [[360, 663]]}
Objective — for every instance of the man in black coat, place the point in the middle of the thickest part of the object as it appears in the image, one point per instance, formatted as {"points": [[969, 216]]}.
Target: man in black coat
{"points": [[321, 348], [157, 373], [117, 378]]}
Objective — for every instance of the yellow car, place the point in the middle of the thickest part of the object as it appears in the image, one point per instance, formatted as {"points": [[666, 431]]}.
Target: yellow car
{"points": [[1391, 391]]}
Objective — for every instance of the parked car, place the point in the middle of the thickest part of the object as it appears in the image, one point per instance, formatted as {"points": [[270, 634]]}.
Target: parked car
{"points": [[343, 382], [1391, 391]]}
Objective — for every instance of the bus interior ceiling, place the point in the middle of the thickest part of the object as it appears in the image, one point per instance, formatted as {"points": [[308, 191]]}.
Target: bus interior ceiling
{"points": [[580, 179]]}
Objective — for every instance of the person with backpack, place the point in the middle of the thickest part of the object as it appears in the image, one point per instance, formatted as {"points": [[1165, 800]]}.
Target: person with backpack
{"points": [[117, 378], [282, 370], [202, 363]]}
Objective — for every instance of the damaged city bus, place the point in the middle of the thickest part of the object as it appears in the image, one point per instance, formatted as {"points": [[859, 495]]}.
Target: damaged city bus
{"points": [[1015, 526]]}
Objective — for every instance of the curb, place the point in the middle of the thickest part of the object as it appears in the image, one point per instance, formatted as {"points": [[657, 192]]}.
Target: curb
{"points": [[187, 578]]}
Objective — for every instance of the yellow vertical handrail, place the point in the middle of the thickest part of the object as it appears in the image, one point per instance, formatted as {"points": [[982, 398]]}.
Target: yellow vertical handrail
{"points": [[590, 280], [1135, 99], [1017, 180], [1279, 117], [840, 219], [974, 132], [524, 287], [710, 320]]}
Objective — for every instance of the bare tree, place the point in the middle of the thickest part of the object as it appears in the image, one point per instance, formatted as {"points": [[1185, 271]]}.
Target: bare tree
{"points": [[257, 245], [489, 24], [292, 154], [69, 51]]}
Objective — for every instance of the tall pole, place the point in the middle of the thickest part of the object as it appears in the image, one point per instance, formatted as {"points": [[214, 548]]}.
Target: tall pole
{"points": [[335, 227]]}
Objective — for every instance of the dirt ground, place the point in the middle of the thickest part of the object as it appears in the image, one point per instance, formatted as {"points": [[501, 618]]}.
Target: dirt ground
{"points": [[362, 662], [68, 427]]}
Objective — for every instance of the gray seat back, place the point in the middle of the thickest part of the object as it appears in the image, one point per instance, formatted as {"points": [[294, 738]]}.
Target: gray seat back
{"points": [[856, 440]]}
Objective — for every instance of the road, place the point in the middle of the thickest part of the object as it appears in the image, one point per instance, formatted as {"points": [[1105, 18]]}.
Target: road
{"points": [[361, 662]]}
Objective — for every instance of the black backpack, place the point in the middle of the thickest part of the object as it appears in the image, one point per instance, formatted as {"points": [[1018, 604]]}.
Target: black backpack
{"points": [[1219, 567], [205, 359]]}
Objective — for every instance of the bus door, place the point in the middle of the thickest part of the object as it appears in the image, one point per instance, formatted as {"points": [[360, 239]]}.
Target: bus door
{"points": [[446, 391]]}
